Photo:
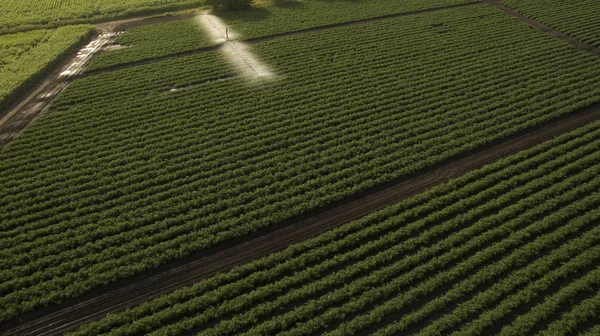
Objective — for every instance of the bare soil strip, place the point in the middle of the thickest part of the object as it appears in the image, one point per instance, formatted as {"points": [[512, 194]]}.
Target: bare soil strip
{"points": [[39, 98], [58, 319], [545, 28]]}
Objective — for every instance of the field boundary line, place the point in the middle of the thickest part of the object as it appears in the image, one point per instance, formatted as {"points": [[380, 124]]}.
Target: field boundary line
{"points": [[58, 319], [544, 28]]}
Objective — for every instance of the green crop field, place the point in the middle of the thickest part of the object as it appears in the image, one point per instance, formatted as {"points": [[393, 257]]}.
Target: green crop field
{"points": [[25, 14], [171, 38], [26, 57], [461, 259], [127, 175], [175, 144], [151, 42], [578, 18]]}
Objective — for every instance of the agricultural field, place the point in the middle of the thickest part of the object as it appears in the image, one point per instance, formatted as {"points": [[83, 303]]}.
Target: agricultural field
{"points": [[510, 249], [151, 42], [170, 143], [578, 18], [286, 16], [18, 15], [26, 57], [139, 167]]}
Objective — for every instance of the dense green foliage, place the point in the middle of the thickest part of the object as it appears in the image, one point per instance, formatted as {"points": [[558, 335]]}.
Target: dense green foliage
{"points": [[153, 41], [578, 18], [127, 175], [172, 38], [229, 5], [25, 57], [512, 248], [283, 16], [26, 14]]}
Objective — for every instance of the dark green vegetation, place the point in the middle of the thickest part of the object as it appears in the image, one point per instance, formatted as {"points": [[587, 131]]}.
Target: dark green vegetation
{"points": [[229, 5], [292, 15], [578, 18], [18, 15], [512, 249], [26, 57], [172, 38], [126, 175], [153, 41]]}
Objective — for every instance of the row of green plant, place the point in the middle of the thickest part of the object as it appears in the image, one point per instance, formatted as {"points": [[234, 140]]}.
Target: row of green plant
{"points": [[126, 175], [275, 17], [22, 15], [490, 242], [153, 41], [578, 18], [284, 16], [26, 57]]}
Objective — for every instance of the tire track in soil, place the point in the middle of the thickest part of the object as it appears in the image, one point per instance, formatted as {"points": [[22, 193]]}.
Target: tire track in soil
{"points": [[58, 319]]}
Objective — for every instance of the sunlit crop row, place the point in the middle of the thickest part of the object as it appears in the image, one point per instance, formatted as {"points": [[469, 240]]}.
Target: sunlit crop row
{"points": [[498, 250], [127, 175], [577, 18]]}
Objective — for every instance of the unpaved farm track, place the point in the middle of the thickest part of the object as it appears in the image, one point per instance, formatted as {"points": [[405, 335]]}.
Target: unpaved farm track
{"points": [[58, 319]]}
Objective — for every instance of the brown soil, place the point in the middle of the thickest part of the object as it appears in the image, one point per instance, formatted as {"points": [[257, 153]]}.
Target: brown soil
{"points": [[58, 319]]}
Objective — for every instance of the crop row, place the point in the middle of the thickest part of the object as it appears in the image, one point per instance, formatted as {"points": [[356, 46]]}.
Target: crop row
{"points": [[176, 37], [153, 41], [125, 175], [26, 57], [293, 15], [22, 15], [578, 18], [475, 249]]}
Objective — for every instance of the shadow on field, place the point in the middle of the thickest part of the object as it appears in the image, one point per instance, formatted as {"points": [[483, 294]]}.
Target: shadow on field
{"points": [[288, 3], [253, 14]]}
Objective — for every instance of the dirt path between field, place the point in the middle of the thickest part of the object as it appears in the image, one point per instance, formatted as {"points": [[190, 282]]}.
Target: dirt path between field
{"points": [[545, 28], [38, 100], [56, 320]]}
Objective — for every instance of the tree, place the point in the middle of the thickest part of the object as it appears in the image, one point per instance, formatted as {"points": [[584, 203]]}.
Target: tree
{"points": [[230, 5]]}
